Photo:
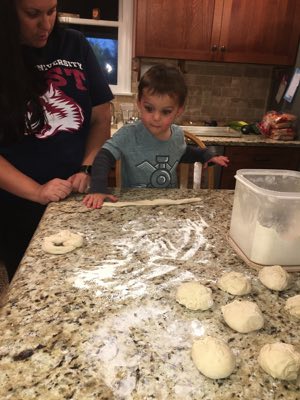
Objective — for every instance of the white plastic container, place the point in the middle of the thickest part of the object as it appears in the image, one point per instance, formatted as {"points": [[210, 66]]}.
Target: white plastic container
{"points": [[265, 221]]}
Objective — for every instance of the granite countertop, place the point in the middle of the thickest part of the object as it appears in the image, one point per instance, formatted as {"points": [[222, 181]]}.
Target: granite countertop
{"points": [[248, 140], [102, 322], [244, 140]]}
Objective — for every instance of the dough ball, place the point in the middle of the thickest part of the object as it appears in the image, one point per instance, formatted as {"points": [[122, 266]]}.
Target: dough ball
{"points": [[213, 357], [275, 277], [243, 316], [194, 296], [235, 283], [62, 242], [280, 360], [292, 305]]}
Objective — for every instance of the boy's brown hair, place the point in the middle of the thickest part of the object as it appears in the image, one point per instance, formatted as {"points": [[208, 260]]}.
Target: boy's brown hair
{"points": [[164, 79]]}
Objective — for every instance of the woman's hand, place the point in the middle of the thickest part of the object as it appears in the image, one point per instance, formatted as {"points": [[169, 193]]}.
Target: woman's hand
{"points": [[80, 182], [95, 200], [54, 190], [14, 181]]}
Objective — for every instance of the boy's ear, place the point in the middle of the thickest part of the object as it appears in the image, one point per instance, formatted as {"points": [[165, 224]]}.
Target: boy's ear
{"points": [[180, 111]]}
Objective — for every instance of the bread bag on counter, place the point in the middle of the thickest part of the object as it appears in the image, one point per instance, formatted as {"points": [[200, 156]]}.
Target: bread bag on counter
{"points": [[278, 126]]}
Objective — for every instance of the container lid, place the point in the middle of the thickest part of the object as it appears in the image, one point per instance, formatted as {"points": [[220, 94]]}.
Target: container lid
{"points": [[264, 181]]}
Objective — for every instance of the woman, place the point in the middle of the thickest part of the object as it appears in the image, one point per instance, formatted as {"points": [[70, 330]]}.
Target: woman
{"points": [[54, 117]]}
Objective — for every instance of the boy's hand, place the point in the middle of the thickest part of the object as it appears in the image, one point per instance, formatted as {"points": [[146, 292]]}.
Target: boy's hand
{"points": [[95, 200], [220, 160]]}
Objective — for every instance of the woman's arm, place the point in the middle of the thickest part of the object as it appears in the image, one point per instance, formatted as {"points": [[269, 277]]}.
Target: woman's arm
{"points": [[99, 133], [15, 182]]}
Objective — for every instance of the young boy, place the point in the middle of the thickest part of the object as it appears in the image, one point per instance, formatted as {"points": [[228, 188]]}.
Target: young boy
{"points": [[150, 149]]}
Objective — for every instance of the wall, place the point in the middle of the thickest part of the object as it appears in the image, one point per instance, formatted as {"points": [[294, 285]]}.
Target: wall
{"points": [[218, 91]]}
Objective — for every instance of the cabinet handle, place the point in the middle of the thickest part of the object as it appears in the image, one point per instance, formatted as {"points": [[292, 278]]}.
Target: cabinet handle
{"points": [[223, 48], [214, 47]]}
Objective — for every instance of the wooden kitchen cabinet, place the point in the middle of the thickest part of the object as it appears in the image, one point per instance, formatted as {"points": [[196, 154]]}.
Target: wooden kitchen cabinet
{"points": [[257, 157], [255, 31], [176, 28]]}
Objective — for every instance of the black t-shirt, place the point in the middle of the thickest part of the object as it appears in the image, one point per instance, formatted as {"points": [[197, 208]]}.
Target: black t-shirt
{"points": [[75, 84]]}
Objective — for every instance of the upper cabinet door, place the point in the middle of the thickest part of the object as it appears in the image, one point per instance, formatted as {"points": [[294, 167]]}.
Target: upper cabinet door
{"points": [[260, 31], [264, 32], [177, 28]]}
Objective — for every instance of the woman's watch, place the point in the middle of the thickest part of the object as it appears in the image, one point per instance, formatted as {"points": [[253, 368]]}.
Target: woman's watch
{"points": [[87, 169]]}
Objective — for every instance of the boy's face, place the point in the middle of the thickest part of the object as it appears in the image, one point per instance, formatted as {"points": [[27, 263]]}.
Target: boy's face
{"points": [[158, 112]]}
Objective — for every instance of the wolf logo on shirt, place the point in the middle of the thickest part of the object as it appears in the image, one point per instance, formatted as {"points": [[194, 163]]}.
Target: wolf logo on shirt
{"points": [[62, 113]]}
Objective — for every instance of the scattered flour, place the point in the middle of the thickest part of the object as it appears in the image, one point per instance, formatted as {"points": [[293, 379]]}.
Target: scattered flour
{"points": [[97, 273], [143, 250], [120, 346]]}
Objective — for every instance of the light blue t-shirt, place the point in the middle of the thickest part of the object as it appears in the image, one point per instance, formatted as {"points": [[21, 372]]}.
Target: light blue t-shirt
{"points": [[147, 161]]}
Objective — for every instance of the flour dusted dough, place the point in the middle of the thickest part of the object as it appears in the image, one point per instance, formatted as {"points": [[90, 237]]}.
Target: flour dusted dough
{"points": [[213, 357], [292, 305], [274, 277], [62, 242], [243, 316], [235, 283], [194, 296], [280, 360], [156, 202]]}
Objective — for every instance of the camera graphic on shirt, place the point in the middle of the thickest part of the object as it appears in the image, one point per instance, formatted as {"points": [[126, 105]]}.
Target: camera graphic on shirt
{"points": [[161, 177], [158, 175]]}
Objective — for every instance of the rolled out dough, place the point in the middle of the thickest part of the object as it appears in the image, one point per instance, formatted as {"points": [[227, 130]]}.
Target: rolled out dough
{"points": [[62, 242], [155, 202], [235, 283], [280, 360], [292, 305], [194, 296], [243, 316], [274, 277], [213, 357]]}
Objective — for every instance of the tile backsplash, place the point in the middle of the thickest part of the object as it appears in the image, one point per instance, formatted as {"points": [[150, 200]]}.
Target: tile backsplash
{"points": [[217, 91]]}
